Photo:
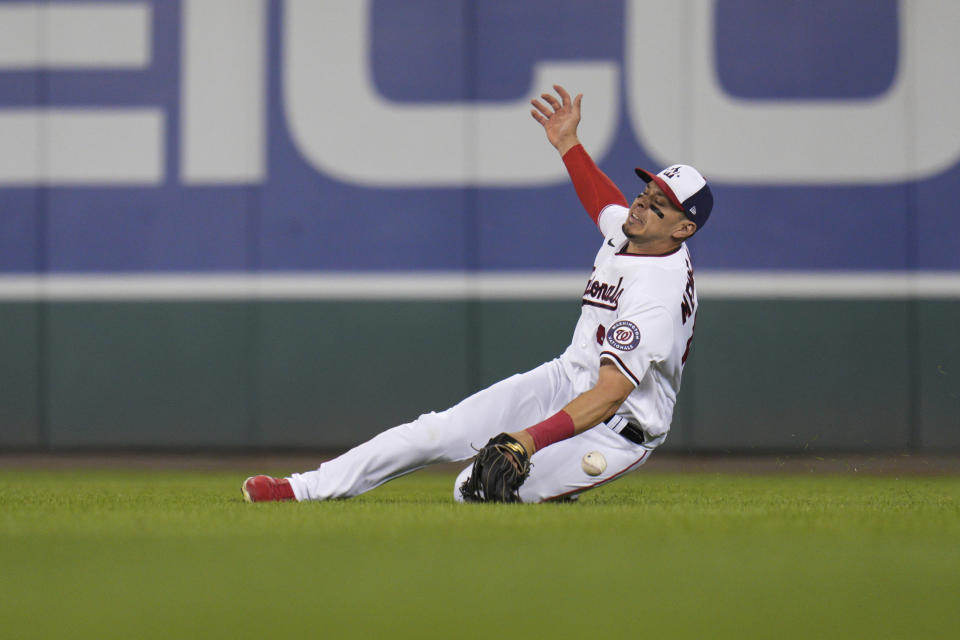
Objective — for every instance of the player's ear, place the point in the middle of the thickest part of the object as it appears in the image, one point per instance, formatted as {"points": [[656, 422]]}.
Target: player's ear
{"points": [[684, 230]]}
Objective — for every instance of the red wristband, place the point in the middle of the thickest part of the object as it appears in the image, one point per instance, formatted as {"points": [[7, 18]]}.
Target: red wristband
{"points": [[557, 427]]}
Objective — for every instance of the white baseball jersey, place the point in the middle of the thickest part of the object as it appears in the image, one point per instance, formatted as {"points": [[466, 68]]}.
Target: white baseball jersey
{"points": [[638, 312]]}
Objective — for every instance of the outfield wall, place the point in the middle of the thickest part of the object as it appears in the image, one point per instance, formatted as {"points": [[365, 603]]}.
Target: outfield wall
{"points": [[764, 375], [266, 223]]}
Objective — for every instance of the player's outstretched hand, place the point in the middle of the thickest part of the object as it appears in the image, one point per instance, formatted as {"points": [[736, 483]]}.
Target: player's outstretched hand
{"points": [[559, 118]]}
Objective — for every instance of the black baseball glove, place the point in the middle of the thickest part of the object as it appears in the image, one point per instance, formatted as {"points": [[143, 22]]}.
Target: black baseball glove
{"points": [[498, 471]]}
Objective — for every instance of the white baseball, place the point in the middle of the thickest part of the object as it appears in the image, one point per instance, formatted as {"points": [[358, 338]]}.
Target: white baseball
{"points": [[593, 463]]}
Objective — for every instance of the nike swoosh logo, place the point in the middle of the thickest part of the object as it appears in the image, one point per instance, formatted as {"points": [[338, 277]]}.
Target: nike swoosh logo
{"points": [[610, 242]]}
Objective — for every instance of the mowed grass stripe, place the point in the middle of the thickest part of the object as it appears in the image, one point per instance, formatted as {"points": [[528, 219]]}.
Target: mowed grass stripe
{"points": [[173, 554]]}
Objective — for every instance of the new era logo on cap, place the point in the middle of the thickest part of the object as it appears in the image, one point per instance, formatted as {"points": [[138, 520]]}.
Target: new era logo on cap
{"points": [[687, 190]]}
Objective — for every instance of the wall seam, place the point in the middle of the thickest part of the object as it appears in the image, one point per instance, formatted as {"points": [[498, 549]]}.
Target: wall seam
{"points": [[911, 245], [42, 258], [471, 213]]}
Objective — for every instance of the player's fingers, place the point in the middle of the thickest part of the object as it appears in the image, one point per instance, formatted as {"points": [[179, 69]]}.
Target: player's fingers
{"points": [[562, 93], [553, 101], [542, 108], [536, 116], [577, 100]]}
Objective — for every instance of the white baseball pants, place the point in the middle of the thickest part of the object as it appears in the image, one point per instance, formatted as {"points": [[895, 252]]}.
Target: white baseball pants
{"points": [[513, 404]]}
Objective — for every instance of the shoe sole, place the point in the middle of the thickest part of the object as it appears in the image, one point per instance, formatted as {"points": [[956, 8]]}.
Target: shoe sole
{"points": [[243, 489]]}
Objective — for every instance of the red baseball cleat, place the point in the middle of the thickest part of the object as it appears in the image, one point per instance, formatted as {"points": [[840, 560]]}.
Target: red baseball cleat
{"points": [[266, 489]]}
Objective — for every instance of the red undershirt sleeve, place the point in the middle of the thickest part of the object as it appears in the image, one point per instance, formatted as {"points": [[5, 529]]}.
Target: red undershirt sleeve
{"points": [[593, 187]]}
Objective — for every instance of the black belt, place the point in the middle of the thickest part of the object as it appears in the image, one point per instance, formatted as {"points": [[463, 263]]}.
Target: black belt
{"points": [[631, 432]]}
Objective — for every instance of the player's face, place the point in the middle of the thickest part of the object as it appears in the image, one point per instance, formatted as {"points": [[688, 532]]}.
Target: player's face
{"points": [[652, 216]]}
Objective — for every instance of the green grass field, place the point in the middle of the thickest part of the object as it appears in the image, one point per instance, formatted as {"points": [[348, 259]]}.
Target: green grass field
{"points": [[660, 555]]}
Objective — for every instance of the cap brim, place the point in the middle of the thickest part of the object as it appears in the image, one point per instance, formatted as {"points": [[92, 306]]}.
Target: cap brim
{"points": [[647, 177]]}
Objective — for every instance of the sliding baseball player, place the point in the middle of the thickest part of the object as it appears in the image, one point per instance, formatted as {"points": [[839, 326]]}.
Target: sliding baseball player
{"points": [[596, 412]]}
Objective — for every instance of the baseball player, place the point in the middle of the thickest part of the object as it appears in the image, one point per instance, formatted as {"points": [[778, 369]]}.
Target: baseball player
{"points": [[596, 412]]}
